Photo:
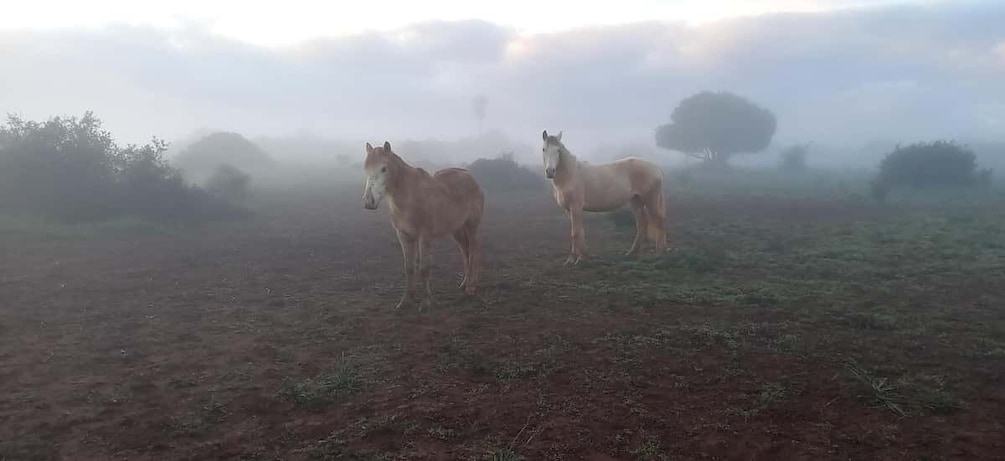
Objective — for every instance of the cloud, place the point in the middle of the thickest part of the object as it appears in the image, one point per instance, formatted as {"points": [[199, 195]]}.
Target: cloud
{"points": [[903, 71]]}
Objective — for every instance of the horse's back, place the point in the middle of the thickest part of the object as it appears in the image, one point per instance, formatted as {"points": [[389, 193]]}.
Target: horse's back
{"points": [[461, 185], [457, 179], [642, 173]]}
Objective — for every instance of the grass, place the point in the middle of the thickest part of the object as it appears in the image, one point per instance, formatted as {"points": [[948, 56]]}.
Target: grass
{"points": [[340, 382], [37, 227], [690, 344]]}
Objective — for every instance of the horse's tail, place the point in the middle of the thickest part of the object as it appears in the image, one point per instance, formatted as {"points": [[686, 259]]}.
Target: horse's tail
{"points": [[656, 224]]}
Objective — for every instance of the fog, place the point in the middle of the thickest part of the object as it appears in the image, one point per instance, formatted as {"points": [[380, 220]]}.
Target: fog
{"points": [[843, 80]]}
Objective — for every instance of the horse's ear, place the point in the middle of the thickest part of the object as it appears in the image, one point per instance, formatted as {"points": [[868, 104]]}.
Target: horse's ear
{"points": [[544, 135], [369, 149], [387, 146], [559, 136]]}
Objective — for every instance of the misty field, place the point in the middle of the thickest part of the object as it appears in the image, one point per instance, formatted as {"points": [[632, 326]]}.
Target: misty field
{"points": [[777, 328]]}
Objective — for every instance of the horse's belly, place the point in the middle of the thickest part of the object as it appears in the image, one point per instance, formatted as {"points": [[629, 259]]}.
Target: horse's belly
{"points": [[606, 201]]}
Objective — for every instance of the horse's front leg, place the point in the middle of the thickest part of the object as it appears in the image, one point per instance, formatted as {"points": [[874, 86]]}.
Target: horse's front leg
{"points": [[578, 236], [408, 251]]}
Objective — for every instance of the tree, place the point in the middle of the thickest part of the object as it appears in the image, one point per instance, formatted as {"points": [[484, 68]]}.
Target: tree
{"points": [[201, 158], [713, 126], [480, 105], [71, 169]]}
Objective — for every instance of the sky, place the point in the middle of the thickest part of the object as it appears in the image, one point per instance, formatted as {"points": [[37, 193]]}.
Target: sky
{"points": [[833, 71]]}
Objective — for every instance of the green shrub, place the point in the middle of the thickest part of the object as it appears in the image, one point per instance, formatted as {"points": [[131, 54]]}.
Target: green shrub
{"points": [[935, 164], [504, 174], [70, 169], [229, 183]]}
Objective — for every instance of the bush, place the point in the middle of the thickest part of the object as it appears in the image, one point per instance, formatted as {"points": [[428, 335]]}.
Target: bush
{"points": [[70, 169], [201, 159], [793, 158], [931, 165], [228, 183], [504, 174]]}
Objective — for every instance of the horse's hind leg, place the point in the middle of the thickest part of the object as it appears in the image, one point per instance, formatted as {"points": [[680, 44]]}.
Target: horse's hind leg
{"points": [[639, 210], [423, 263], [461, 236], [474, 255]]}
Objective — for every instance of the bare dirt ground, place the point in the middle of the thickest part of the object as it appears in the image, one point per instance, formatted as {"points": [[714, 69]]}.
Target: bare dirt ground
{"points": [[776, 329]]}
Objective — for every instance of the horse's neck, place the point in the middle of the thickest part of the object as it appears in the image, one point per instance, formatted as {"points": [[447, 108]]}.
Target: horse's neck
{"points": [[401, 173], [406, 181], [568, 165]]}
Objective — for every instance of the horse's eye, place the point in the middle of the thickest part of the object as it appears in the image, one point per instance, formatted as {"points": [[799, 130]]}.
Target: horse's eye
{"points": [[383, 169]]}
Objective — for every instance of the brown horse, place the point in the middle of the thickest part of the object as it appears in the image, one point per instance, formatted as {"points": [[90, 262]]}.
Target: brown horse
{"points": [[580, 186], [423, 208]]}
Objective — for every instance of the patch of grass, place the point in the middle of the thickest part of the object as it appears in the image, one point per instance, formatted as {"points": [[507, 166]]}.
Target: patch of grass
{"points": [[458, 355], [342, 381], [649, 450], [504, 454], [198, 422], [771, 393], [922, 394], [877, 321], [441, 433], [455, 354], [932, 395], [877, 390], [939, 401], [380, 424], [28, 447], [336, 449], [40, 228], [699, 260]]}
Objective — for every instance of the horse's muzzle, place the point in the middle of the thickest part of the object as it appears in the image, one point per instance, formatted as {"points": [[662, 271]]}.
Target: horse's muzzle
{"points": [[550, 173], [370, 204]]}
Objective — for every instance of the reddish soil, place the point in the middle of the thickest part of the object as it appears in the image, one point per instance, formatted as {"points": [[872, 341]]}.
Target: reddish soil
{"points": [[179, 347]]}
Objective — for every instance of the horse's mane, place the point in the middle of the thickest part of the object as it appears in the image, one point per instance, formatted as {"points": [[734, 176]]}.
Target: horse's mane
{"points": [[401, 162], [563, 151]]}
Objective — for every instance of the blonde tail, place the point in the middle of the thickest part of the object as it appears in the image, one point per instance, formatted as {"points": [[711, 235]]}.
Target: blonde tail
{"points": [[656, 224]]}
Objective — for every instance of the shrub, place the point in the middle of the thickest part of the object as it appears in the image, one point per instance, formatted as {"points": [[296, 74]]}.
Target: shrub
{"points": [[504, 174], [201, 159], [228, 183], [930, 165], [793, 158], [70, 169]]}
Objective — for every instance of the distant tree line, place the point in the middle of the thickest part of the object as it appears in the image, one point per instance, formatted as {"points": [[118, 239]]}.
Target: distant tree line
{"points": [[715, 126]]}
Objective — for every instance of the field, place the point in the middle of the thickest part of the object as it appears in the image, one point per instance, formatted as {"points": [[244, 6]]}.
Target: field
{"points": [[777, 328]]}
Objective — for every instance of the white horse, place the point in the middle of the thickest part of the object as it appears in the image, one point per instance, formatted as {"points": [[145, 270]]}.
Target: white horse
{"points": [[580, 186]]}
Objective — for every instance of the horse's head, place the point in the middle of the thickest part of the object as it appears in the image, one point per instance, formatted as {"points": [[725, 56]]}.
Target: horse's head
{"points": [[376, 166], [552, 152]]}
